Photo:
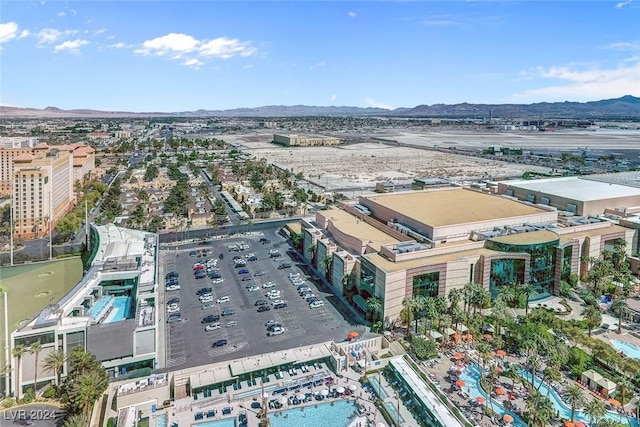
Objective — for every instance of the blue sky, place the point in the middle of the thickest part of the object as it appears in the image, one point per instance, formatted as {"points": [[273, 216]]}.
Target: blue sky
{"points": [[178, 56]]}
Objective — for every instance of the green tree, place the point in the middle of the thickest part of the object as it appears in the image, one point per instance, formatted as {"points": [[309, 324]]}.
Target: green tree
{"points": [[424, 349], [592, 316], [54, 361], [156, 224], [595, 410], [374, 305], [620, 308], [35, 349], [18, 351], [575, 396], [76, 420]]}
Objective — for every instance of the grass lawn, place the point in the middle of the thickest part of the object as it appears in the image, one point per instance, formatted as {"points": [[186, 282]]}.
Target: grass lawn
{"points": [[32, 287]]}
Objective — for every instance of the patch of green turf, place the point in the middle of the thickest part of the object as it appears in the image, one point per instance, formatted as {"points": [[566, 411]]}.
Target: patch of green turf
{"points": [[32, 287]]}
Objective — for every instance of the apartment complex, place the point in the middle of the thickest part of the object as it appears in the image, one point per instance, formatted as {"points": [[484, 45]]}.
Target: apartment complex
{"points": [[304, 140], [41, 180], [430, 242], [111, 312]]}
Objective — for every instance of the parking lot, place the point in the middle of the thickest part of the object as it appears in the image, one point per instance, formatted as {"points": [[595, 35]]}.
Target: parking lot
{"points": [[187, 342]]}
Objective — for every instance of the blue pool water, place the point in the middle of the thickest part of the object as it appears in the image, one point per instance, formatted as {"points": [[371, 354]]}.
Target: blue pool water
{"points": [[162, 420], [376, 387], [227, 422], [98, 307], [336, 414], [633, 351], [565, 410], [394, 413], [471, 377], [120, 309]]}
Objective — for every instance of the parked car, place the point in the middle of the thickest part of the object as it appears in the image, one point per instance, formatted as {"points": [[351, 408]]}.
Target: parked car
{"points": [[171, 288], [268, 285], [280, 305], [203, 291], [243, 271], [252, 288], [208, 306], [283, 266], [219, 343], [259, 273], [214, 275], [276, 331], [174, 300], [218, 280], [263, 308], [174, 318], [212, 327], [271, 323], [228, 312], [316, 304], [198, 266], [260, 302], [223, 299], [171, 274], [206, 298], [200, 275], [247, 278], [174, 308], [264, 240], [210, 319], [193, 254], [273, 296]]}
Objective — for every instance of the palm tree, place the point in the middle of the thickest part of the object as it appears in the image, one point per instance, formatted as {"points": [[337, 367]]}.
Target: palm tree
{"points": [[624, 386], [533, 364], [18, 351], [407, 303], [35, 349], [327, 261], [608, 422], [498, 311], [595, 410], [525, 290], [540, 409], [87, 389], [55, 361], [592, 316], [508, 294], [374, 304], [620, 308], [75, 420], [575, 396], [5, 370], [455, 296]]}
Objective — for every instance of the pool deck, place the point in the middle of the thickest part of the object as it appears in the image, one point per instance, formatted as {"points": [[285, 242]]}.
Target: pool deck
{"points": [[184, 410]]}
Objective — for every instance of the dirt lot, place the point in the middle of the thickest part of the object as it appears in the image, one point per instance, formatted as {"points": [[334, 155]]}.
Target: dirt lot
{"points": [[367, 163]]}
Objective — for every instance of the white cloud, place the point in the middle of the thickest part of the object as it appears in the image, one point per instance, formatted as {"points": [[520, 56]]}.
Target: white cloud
{"points": [[172, 43], [8, 31], [225, 48], [176, 46], [51, 35], [62, 14], [72, 46], [333, 97], [352, 14], [318, 65], [246, 67], [622, 4], [24, 33], [119, 45], [371, 103], [193, 63], [625, 46], [585, 84]]}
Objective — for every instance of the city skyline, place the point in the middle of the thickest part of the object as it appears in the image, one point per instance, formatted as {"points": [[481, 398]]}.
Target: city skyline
{"points": [[222, 55]]}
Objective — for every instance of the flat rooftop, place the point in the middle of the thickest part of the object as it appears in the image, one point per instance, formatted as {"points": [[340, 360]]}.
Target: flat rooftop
{"points": [[437, 208], [354, 226], [530, 238], [390, 266], [576, 188]]}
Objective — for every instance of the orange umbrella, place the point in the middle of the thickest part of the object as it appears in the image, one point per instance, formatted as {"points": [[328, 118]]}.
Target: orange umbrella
{"points": [[499, 390], [580, 424], [507, 418], [456, 337], [501, 353], [352, 335], [615, 402], [460, 383], [568, 423], [480, 399], [458, 356], [468, 337]]}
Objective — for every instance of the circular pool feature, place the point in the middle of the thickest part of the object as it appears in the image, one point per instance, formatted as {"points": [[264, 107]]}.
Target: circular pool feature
{"points": [[45, 274], [42, 294]]}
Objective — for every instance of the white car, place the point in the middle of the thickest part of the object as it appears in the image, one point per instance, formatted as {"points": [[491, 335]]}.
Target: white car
{"points": [[173, 288], [316, 304], [309, 296], [173, 308], [276, 331], [212, 327], [293, 275], [273, 296], [278, 302], [207, 306], [268, 285], [272, 292], [218, 280], [253, 288], [223, 299], [207, 298]]}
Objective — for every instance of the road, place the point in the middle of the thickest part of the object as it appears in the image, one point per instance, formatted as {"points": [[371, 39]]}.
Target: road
{"points": [[233, 217]]}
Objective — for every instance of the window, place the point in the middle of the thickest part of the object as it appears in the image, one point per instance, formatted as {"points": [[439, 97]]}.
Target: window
{"points": [[426, 284]]}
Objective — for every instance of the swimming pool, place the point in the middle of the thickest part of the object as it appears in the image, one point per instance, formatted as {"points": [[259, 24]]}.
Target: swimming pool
{"points": [[633, 351], [393, 412], [471, 377], [565, 410], [335, 414], [99, 307], [377, 388], [162, 420], [120, 309], [227, 422]]}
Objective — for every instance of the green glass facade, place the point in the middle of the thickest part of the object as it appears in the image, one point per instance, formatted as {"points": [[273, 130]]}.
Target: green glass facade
{"points": [[426, 284], [567, 254], [541, 268]]}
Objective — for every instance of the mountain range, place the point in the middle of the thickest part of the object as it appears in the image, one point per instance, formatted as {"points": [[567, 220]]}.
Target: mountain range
{"points": [[626, 107]]}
